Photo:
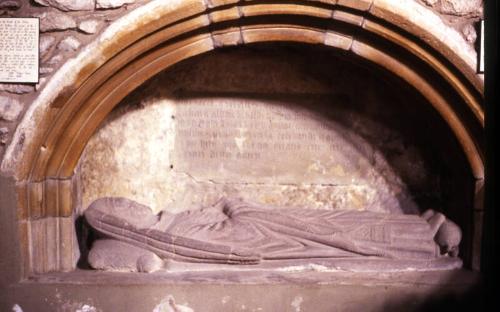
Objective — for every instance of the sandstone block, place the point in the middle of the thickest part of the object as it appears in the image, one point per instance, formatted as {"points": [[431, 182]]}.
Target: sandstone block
{"points": [[9, 108], [46, 43], [89, 26], [55, 21], [111, 4], [69, 44], [69, 5]]}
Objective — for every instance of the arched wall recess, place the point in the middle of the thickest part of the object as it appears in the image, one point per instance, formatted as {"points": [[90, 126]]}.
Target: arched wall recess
{"points": [[159, 35]]}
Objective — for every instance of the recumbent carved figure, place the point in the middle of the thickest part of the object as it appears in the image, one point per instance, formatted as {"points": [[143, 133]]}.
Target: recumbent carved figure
{"points": [[236, 232]]}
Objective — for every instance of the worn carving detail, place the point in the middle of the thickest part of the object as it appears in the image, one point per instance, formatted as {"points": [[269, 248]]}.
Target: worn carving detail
{"points": [[233, 231]]}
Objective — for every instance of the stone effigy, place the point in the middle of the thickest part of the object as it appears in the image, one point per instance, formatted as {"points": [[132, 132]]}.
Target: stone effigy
{"points": [[236, 232]]}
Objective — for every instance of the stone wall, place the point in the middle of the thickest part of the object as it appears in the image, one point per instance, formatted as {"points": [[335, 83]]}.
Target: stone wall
{"points": [[65, 27], [68, 25], [323, 133]]}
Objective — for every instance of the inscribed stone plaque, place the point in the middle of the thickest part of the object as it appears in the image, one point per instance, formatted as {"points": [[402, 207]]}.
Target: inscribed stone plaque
{"points": [[261, 141], [19, 49]]}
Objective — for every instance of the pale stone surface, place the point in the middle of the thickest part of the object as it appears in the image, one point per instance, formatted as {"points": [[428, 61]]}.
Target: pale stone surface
{"points": [[457, 7], [56, 59], [69, 44], [470, 33], [16, 88], [168, 305], [45, 70], [42, 81], [46, 42], [89, 26], [55, 21], [69, 5], [9, 108], [111, 4]]}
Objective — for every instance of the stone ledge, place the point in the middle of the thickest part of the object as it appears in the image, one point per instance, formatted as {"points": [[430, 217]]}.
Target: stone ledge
{"points": [[340, 291], [448, 278]]}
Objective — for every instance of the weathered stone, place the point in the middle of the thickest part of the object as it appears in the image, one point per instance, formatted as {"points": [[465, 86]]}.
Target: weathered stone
{"points": [[10, 5], [55, 21], [41, 83], [112, 4], [462, 7], [4, 135], [44, 70], [89, 26], [46, 43], [16, 88], [56, 59], [68, 44], [69, 5], [9, 108], [469, 33], [457, 7]]}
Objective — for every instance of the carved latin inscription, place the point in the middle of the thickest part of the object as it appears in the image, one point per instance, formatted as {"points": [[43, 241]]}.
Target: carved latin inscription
{"points": [[260, 141]]}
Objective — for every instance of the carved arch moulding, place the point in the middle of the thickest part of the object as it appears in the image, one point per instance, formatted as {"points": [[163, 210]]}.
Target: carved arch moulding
{"points": [[399, 37]]}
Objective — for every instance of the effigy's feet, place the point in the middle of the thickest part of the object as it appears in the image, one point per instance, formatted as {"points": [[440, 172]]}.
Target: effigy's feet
{"points": [[446, 233]]}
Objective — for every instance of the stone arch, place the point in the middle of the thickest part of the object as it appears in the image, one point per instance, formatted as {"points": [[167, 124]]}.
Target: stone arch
{"points": [[150, 39]]}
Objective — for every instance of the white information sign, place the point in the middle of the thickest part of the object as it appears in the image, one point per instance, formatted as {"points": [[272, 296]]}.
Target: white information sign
{"points": [[19, 56]]}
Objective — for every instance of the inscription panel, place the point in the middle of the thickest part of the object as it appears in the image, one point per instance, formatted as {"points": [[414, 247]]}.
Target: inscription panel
{"points": [[19, 49], [251, 140]]}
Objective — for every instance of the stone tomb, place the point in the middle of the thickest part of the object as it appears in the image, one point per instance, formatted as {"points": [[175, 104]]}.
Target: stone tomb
{"points": [[182, 142]]}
